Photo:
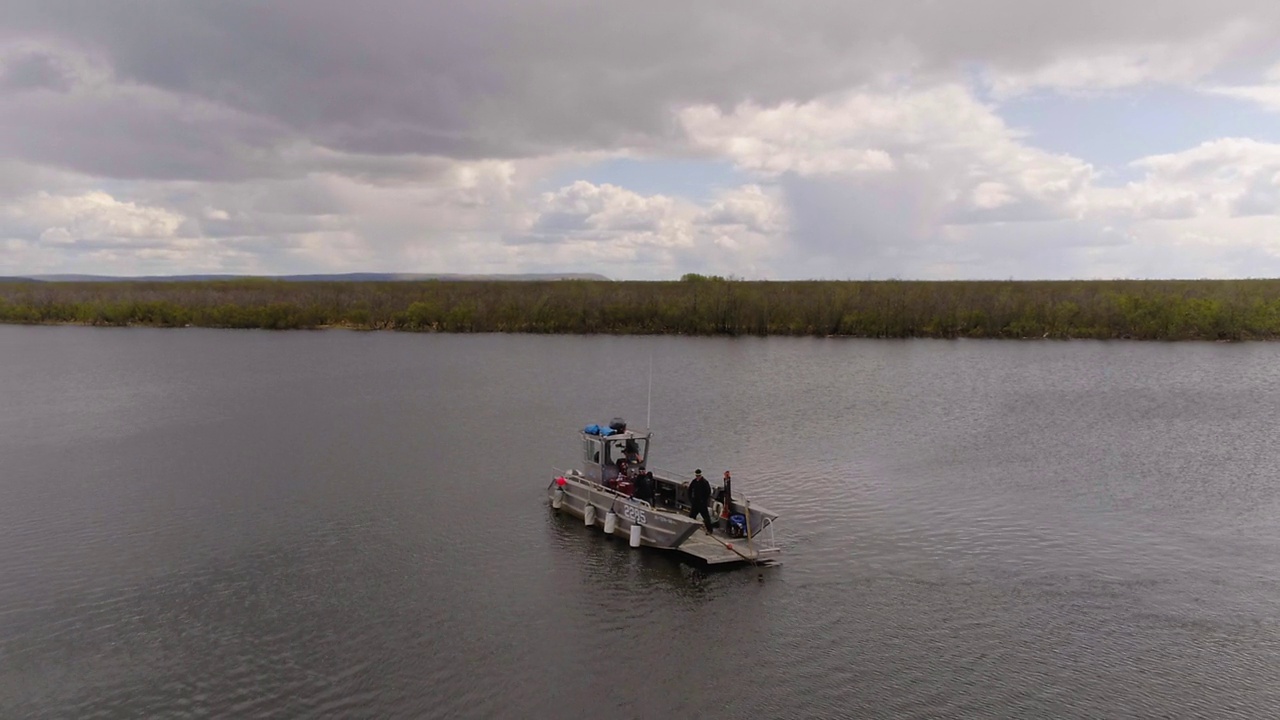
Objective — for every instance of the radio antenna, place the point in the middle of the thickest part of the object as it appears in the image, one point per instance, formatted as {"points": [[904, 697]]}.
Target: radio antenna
{"points": [[649, 408]]}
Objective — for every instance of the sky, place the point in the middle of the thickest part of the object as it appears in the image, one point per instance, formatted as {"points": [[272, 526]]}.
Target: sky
{"points": [[755, 139]]}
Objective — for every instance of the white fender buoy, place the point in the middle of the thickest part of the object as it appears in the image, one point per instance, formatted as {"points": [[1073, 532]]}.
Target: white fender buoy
{"points": [[589, 515], [610, 522], [557, 498], [635, 534]]}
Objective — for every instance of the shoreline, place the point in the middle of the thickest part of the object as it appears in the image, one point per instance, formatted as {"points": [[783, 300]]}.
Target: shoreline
{"points": [[409, 331], [1169, 310]]}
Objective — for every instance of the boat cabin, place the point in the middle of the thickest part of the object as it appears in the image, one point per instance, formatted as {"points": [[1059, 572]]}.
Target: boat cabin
{"points": [[618, 459], [613, 451]]}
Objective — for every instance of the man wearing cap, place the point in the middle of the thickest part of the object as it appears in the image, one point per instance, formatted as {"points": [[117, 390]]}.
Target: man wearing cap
{"points": [[699, 498]]}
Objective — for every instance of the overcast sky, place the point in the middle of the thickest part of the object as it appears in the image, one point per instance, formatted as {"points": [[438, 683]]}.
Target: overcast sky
{"points": [[841, 139]]}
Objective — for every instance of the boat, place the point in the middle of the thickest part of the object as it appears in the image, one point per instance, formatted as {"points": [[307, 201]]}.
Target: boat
{"points": [[618, 491]]}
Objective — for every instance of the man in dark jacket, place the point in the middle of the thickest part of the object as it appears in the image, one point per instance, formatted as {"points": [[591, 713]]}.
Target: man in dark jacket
{"points": [[700, 498]]}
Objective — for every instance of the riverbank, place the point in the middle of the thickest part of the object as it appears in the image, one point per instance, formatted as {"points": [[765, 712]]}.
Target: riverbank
{"points": [[1147, 310]]}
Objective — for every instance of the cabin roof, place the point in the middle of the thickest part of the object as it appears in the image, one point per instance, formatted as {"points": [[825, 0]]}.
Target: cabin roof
{"points": [[628, 435]]}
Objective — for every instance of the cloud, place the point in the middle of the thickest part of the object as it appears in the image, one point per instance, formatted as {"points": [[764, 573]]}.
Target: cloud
{"points": [[291, 136], [738, 232], [608, 211], [873, 176], [1265, 95], [33, 70], [85, 232], [749, 207], [84, 120], [1225, 178], [496, 78], [93, 218], [1126, 64], [960, 194]]}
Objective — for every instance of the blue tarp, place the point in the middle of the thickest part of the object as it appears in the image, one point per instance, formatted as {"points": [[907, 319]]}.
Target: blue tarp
{"points": [[594, 429]]}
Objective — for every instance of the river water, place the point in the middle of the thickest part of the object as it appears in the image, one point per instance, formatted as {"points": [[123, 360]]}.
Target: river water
{"points": [[199, 523]]}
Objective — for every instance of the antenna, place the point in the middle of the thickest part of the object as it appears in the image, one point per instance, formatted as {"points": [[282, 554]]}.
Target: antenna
{"points": [[649, 408]]}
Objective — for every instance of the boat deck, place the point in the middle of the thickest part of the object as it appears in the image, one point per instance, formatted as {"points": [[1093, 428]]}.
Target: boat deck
{"points": [[719, 550]]}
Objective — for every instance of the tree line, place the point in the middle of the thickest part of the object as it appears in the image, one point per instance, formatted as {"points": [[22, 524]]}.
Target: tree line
{"points": [[694, 305]]}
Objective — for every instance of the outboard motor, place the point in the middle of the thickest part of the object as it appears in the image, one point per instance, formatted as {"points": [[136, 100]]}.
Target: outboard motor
{"points": [[618, 425]]}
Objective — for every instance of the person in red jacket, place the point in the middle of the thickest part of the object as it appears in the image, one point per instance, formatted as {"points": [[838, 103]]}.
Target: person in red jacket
{"points": [[726, 496]]}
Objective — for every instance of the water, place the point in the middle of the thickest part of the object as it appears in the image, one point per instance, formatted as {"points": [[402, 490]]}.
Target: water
{"points": [[238, 524]]}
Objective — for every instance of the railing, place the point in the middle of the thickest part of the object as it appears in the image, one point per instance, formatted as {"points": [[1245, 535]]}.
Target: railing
{"points": [[772, 542], [754, 535], [594, 487]]}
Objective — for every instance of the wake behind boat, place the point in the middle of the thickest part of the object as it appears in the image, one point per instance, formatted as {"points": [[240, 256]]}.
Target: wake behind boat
{"points": [[617, 491]]}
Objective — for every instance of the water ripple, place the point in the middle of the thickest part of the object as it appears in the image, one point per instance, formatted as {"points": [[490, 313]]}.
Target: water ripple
{"points": [[354, 525]]}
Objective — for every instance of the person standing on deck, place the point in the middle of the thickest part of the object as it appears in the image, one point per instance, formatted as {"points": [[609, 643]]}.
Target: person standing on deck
{"points": [[726, 496], [699, 498]]}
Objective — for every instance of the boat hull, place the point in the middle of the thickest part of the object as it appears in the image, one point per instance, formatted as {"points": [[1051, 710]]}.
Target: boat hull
{"points": [[659, 528]]}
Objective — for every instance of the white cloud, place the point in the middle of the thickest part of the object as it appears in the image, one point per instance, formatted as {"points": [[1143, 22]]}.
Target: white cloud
{"points": [[93, 218], [424, 139], [457, 217], [1211, 211], [939, 140], [1226, 178], [1202, 247], [96, 232], [809, 139], [750, 207], [629, 235], [991, 195], [1266, 96], [958, 194], [613, 214], [322, 222], [1094, 69], [964, 195]]}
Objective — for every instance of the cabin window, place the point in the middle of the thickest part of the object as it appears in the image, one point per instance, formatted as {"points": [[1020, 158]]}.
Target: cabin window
{"points": [[591, 451], [617, 450]]}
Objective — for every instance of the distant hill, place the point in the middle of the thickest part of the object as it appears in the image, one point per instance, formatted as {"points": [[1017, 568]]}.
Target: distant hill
{"points": [[4, 279], [338, 277]]}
